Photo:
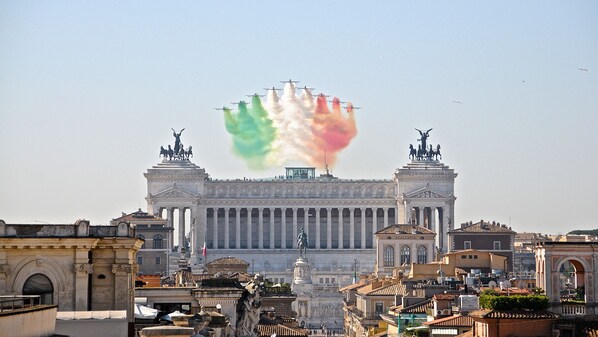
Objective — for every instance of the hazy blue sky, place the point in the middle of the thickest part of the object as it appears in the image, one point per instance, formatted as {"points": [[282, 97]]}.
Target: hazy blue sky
{"points": [[89, 90]]}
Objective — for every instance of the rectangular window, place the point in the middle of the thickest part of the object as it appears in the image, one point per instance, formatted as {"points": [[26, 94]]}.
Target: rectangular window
{"points": [[470, 257], [157, 260], [139, 260], [379, 308], [466, 244], [333, 280], [321, 280], [475, 257], [496, 245], [463, 256], [327, 280], [281, 280]]}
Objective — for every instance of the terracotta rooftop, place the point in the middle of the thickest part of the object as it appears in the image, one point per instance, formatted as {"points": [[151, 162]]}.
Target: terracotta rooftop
{"points": [[267, 328], [445, 296], [228, 261], [381, 288], [512, 314], [353, 286], [417, 308], [392, 289], [483, 227], [451, 321]]}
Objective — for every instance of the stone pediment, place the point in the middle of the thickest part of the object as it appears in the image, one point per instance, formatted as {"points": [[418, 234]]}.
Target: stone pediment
{"points": [[174, 193], [426, 193]]}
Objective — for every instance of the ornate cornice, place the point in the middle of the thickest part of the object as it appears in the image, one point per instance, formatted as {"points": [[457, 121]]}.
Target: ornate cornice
{"points": [[300, 189], [298, 203]]}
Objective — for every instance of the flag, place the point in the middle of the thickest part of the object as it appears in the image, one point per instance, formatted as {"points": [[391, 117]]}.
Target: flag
{"points": [[204, 251]]}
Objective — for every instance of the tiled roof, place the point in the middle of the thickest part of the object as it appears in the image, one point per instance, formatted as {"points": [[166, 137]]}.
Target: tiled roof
{"points": [[228, 261], [376, 289], [417, 308], [451, 321], [512, 314], [404, 229], [445, 296], [392, 289], [483, 227], [138, 215], [353, 286], [267, 328]]}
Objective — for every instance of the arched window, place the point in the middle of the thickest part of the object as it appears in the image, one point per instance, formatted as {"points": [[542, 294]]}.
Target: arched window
{"points": [[422, 255], [405, 255], [389, 256], [158, 242], [39, 284], [142, 237]]}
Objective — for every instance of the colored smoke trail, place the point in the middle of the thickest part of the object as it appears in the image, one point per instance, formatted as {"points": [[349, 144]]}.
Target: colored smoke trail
{"points": [[290, 128]]}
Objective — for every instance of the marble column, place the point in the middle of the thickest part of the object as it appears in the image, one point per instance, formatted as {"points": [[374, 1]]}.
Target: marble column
{"points": [[318, 230], [306, 221], [238, 229], [283, 231], [226, 228], [215, 233], [374, 223], [181, 229], [260, 228], [386, 217], [352, 228], [295, 233], [272, 236], [340, 228], [363, 228], [329, 228], [170, 218], [249, 229], [421, 217]]}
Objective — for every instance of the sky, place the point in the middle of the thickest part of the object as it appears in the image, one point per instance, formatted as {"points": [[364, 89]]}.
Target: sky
{"points": [[89, 91]]}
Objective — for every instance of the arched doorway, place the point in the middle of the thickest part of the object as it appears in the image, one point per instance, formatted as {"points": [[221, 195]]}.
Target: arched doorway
{"points": [[41, 285], [571, 281]]}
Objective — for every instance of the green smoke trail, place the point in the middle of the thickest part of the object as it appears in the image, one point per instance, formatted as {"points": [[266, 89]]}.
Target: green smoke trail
{"points": [[252, 131]]}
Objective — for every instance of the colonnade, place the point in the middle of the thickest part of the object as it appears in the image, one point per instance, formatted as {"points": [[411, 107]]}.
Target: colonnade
{"points": [[278, 227], [183, 227]]}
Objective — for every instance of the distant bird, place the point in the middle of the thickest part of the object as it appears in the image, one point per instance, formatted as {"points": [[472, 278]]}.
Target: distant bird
{"points": [[582, 69], [458, 102]]}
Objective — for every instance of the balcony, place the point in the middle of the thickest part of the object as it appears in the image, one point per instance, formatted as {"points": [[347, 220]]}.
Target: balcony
{"points": [[573, 310]]}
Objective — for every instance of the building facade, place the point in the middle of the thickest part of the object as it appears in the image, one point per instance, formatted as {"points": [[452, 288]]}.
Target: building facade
{"points": [[258, 220], [401, 245], [485, 236], [77, 267], [154, 254]]}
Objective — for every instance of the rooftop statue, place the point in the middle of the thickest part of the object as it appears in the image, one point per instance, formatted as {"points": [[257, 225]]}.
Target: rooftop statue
{"points": [[179, 152], [424, 151], [302, 243]]}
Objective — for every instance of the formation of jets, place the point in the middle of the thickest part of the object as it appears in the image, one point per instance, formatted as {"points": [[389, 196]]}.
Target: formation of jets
{"points": [[349, 107], [582, 69]]}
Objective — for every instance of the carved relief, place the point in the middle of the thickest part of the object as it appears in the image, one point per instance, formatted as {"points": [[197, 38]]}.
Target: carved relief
{"points": [[428, 194], [83, 268], [122, 269], [4, 269]]}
